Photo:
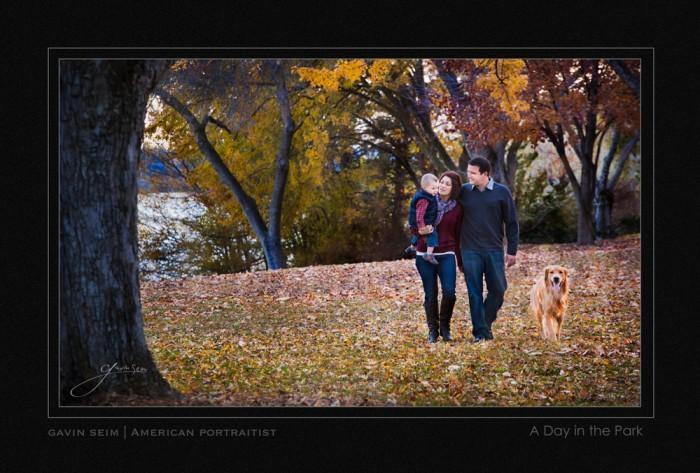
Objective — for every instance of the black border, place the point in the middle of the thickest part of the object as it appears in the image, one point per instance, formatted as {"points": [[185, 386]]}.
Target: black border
{"points": [[646, 411]]}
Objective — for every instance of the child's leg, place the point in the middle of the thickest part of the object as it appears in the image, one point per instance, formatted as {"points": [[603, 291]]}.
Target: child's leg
{"points": [[432, 240], [412, 247]]}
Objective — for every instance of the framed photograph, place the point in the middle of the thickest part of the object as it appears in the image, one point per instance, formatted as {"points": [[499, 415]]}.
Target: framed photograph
{"points": [[379, 233]]}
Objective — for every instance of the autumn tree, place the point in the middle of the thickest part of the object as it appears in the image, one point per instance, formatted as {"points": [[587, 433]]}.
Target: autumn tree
{"points": [[102, 109], [376, 133], [394, 88], [573, 103], [484, 106], [205, 95], [629, 72]]}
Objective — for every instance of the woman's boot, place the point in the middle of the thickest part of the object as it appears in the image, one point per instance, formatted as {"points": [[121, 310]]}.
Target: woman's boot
{"points": [[446, 306], [431, 317]]}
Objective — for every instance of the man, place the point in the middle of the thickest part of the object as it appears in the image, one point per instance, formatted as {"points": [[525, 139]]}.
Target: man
{"points": [[488, 209]]}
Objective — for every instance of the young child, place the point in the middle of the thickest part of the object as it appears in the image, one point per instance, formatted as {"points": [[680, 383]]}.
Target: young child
{"points": [[422, 212]]}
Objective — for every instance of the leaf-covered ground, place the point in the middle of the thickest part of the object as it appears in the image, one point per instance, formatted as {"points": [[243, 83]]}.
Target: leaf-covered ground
{"points": [[355, 335]]}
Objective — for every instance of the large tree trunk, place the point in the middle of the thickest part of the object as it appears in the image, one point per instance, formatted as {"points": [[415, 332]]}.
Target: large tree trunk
{"points": [[504, 162], [496, 155], [586, 231], [605, 185], [601, 200], [274, 254], [102, 108], [583, 188], [607, 215], [277, 259], [585, 218]]}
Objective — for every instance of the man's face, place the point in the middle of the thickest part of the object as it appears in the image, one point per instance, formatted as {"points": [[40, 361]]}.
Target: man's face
{"points": [[476, 177]]}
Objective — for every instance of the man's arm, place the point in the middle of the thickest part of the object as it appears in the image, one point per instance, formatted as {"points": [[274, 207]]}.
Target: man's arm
{"points": [[457, 237], [511, 223]]}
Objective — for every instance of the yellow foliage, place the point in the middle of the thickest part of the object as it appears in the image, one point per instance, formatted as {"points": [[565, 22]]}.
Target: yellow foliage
{"points": [[350, 70], [345, 73], [379, 71], [505, 81]]}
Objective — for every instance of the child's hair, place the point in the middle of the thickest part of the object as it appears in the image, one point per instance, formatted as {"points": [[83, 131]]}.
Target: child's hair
{"points": [[428, 179]]}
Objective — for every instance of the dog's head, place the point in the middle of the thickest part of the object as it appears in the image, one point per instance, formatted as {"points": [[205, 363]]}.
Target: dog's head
{"points": [[557, 278]]}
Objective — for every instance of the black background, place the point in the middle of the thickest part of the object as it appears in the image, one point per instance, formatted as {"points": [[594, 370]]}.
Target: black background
{"points": [[426, 444]]}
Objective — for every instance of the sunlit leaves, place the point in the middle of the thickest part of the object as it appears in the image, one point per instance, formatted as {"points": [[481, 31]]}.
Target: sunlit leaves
{"points": [[355, 335], [492, 106], [563, 91], [506, 80], [379, 71], [345, 73]]}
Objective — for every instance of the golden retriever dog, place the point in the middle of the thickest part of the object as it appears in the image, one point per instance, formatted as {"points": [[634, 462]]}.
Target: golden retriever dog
{"points": [[548, 300]]}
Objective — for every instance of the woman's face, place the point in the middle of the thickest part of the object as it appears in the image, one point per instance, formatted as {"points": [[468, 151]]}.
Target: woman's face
{"points": [[445, 187]]}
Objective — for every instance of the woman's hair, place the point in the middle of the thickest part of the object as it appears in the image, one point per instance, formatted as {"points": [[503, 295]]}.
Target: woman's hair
{"points": [[456, 183]]}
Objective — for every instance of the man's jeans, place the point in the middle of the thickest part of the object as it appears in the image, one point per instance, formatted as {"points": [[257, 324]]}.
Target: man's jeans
{"points": [[476, 265]]}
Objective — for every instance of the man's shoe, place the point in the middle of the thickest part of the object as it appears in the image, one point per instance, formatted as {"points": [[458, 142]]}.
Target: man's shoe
{"points": [[478, 340], [489, 336], [430, 258]]}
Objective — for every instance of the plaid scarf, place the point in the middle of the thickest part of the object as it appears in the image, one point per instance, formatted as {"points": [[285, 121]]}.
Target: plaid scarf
{"points": [[443, 208]]}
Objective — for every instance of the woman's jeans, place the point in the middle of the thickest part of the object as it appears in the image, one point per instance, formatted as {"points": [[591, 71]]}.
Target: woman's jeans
{"points": [[446, 270], [477, 264]]}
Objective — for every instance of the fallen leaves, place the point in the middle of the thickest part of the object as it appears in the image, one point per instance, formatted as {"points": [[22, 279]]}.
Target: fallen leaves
{"points": [[355, 335]]}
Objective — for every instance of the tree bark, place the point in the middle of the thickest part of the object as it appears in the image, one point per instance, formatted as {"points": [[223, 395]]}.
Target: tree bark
{"points": [[581, 187], [102, 110], [585, 148], [274, 240], [496, 156], [601, 200], [585, 207], [605, 186], [584, 187], [624, 154], [504, 161]]}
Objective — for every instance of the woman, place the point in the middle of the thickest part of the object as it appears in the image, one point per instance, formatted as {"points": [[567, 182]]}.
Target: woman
{"points": [[448, 257]]}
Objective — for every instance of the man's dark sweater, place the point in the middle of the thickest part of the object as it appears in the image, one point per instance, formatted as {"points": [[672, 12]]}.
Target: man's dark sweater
{"points": [[485, 213]]}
